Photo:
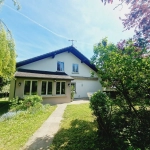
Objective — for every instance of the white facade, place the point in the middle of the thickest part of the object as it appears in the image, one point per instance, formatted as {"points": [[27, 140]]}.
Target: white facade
{"points": [[83, 84]]}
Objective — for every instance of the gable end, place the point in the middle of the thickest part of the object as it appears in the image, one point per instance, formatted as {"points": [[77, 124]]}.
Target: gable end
{"points": [[69, 49]]}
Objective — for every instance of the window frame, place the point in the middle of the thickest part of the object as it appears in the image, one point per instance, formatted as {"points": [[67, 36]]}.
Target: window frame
{"points": [[30, 87], [46, 87], [60, 88], [72, 68], [63, 66]]}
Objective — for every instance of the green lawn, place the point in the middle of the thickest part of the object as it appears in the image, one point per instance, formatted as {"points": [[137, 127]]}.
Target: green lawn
{"points": [[4, 105], [4, 99], [15, 132], [78, 130]]}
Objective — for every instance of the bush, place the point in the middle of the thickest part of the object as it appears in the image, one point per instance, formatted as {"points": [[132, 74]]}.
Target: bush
{"points": [[72, 92], [101, 107], [118, 127], [32, 100], [27, 102], [15, 104]]}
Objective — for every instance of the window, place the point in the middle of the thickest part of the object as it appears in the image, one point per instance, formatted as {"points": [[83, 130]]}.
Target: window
{"points": [[49, 88], [34, 88], [73, 87], [27, 87], [46, 88], [43, 89], [60, 66], [75, 68], [60, 87], [30, 88]]}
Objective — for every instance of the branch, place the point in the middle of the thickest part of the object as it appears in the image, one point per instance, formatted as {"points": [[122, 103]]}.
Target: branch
{"points": [[3, 24], [119, 5]]}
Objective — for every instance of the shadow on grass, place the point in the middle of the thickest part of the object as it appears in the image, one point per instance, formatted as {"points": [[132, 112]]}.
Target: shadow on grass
{"points": [[4, 107], [40, 143], [81, 135]]}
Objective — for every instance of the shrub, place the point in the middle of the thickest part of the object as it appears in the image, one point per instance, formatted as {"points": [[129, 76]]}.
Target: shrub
{"points": [[36, 108], [32, 100], [101, 107], [119, 127], [72, 92], [27, 102], [15, 104]]}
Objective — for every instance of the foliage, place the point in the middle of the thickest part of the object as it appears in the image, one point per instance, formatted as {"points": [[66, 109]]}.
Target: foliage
{"points": [[4, 105], [31, 100], [16, 131], [72, 92], [26, 103], [126, 69], [15, 105], [5, 91], [102, 109], [6, 88], [16, 3], [7, 51], [118, 128], [7, 57], [138, 18], [78, 130]]}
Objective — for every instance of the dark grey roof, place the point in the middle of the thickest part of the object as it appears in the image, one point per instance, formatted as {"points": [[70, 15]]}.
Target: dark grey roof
{"points": [[70, 49], [41, 72], [41, 75]]}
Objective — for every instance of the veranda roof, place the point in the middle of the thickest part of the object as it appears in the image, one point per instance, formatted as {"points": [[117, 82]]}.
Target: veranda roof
{"points": [[41, 75]]}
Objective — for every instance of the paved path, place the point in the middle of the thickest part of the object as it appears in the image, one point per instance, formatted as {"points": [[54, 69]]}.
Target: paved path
{"points": [[43, 137]]}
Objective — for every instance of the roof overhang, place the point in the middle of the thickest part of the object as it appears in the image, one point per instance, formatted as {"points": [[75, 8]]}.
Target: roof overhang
{"points": [[69, 49], [42, 76]]}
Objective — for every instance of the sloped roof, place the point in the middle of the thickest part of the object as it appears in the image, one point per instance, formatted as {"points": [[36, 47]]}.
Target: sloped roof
{"points": [[69, 49], [24, 73], [41, 71]]}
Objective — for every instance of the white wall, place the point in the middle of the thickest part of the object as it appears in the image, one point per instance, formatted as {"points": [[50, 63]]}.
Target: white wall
{"points": [[50, 64], [84, 86]]}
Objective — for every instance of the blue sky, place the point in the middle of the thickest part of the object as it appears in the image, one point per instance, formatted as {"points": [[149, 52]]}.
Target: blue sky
{"points": [[41, 26]]}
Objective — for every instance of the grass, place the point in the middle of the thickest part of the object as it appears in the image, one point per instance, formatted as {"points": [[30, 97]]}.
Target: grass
{"points": [[15, 132], [4, 105], [78, 130], [4, 99]]}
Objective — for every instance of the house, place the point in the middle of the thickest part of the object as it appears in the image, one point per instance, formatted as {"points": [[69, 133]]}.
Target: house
{"points": [[51, 76]]}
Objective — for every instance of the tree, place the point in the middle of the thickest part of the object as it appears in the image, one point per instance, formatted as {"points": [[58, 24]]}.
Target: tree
{"points": [[16, 3], [126, 69], [138, 18], [7, 56], [7, 51]]}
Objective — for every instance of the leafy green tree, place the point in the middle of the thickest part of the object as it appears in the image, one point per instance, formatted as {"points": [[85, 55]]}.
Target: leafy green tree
{"points": [[126, 69], [7, 56], [7, 51]]}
